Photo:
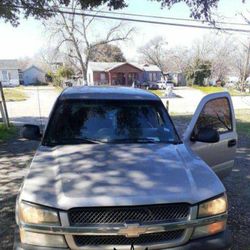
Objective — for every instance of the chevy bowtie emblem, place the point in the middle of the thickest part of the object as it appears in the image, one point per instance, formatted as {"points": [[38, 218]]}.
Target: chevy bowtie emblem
{"points": [[132, 230]]}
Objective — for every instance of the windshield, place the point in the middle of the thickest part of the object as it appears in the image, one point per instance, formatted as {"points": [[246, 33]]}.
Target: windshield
{"points": [[78, 121]]}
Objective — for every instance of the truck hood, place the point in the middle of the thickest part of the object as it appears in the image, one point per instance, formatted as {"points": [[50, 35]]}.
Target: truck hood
{"points": [[118, 174]]}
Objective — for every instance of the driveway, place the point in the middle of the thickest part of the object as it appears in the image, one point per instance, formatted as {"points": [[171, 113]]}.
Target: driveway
{"points": [[40, 99]]}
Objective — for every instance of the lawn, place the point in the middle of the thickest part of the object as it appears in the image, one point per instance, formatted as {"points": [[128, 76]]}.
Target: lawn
{"points": [[211, 89], [243, 122], [7, 133], [14, 94], [160, 93]]}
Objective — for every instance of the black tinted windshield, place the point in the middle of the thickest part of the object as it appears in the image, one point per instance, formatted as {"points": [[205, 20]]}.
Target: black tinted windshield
{"points": [[78, 121]]}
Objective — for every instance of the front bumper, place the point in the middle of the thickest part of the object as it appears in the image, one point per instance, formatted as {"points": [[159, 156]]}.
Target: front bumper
{"points": [[221, 241]]}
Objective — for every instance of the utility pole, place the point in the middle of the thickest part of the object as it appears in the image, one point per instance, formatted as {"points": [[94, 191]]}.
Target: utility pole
{"points": [[3, 107]]}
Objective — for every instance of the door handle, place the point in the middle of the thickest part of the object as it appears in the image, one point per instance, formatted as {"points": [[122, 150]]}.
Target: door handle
{"points": [[231, 143]]}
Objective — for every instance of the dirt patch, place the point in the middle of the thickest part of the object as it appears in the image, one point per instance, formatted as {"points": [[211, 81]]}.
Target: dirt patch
{"points": [[15, 156], [237, 185]]}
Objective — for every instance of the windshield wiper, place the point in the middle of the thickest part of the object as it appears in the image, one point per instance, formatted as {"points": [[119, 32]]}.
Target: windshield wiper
{"points": [[142, 140], [139, 140], [72, 141]]}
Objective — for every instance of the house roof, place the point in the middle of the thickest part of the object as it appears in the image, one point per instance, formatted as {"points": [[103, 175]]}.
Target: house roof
{"points": [[107, 66], [33, 66], [149, 67], [8, 64], [104, 66]]}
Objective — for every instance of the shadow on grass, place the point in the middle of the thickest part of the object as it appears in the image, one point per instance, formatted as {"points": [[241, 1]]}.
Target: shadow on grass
{"points": [[6, 133]]}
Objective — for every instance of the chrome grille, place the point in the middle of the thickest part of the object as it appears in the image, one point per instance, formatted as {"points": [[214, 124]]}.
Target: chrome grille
{"points": [[118, 240], [121, 215]]}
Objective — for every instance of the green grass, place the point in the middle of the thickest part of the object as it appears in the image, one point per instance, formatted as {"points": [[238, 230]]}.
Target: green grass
{"points": [[58, 89], [208, 89], [211, 89], [15, 94], [160, 93], [7, 133], [243, 122]]}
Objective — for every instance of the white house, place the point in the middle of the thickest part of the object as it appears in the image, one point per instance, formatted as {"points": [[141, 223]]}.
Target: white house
{"points": [[33, 75], [9, 73]]}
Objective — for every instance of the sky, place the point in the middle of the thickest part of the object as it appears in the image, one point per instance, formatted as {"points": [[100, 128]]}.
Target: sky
{"points": [[29, 37]]}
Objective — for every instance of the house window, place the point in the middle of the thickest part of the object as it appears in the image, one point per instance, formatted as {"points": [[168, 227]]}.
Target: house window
{"points": [[154, 77], [5, 75], [102, 76], [150, 76]]}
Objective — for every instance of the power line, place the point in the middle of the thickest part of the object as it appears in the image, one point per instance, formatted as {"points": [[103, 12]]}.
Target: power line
{"points": [[157, 17], [163, 23], [132, 19], [163, 17]]}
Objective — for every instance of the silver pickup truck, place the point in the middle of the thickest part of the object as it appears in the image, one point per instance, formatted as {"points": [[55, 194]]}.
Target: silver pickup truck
{"points": [[112, 173]]}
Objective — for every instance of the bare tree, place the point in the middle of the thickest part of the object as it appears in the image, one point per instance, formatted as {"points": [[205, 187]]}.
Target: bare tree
{"points": [[73, 32], [154, 52], [178, 58]]}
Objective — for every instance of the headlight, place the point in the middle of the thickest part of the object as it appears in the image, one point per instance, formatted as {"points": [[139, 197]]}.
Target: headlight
{"points": [[33, 214], [213, 207]]}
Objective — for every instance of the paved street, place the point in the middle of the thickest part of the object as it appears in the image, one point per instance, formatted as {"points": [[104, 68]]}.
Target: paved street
{"points": [[28, 111]]}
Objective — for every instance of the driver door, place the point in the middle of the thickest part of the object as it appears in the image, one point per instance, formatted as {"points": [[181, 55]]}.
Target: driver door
{"points": [[215, 111]]}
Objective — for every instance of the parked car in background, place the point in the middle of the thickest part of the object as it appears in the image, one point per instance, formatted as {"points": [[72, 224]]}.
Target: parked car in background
{"points": [[161, 85], [153, 86], [231, 84], [112, 173]]}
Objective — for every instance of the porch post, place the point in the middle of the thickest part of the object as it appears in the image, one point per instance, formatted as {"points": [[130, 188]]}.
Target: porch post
{"points": [[126, 79], [110, 78]]}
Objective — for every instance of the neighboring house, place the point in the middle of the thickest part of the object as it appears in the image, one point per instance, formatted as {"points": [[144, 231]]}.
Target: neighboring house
{"points": [[33, 75], [151, 73], [120, 73], [9, 73]]}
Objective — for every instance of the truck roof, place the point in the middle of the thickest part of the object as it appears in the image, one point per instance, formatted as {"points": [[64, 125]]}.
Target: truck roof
{"points": [[107, 93]]}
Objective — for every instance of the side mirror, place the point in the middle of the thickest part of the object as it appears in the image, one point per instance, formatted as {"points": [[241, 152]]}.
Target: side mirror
{"points": [[31, 132], [208, 135]]}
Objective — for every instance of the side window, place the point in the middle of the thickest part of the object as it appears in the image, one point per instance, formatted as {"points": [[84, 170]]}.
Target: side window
{"points": [[216, 114], [5, 75]]}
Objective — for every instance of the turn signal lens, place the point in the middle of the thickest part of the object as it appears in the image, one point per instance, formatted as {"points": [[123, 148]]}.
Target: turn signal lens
{"points": [[210, 229]]}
